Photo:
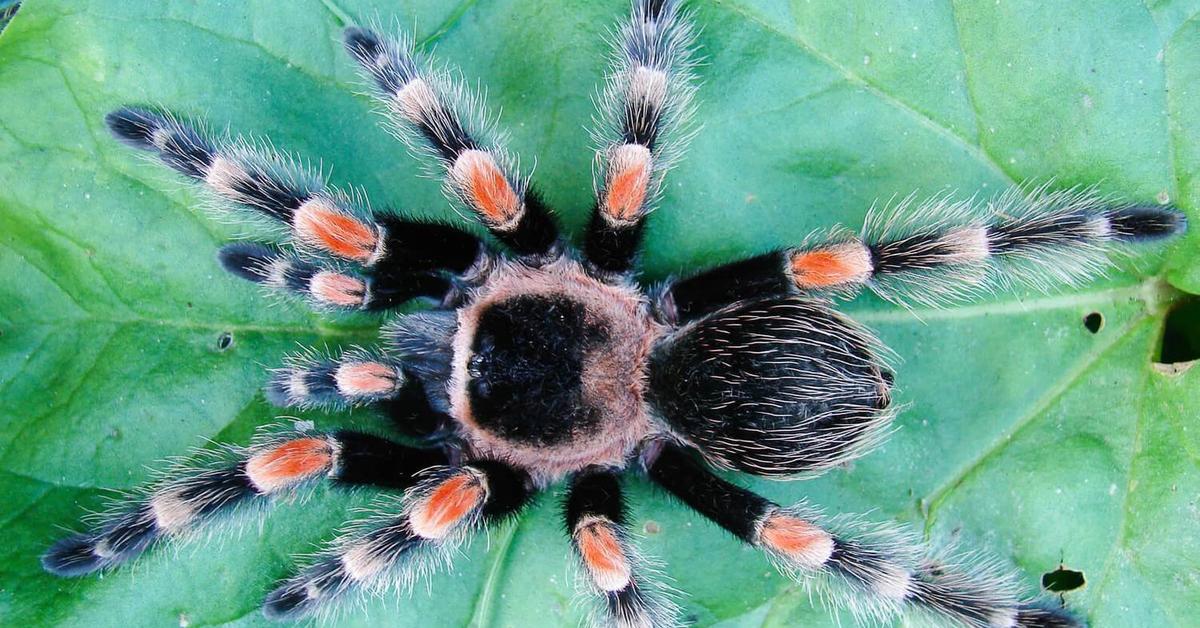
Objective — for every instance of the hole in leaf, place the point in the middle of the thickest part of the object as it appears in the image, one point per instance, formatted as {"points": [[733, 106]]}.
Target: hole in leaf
{"points": [[1174, 369], [1094, 322], [1181, 333], [224, 341], [1062, 579]]}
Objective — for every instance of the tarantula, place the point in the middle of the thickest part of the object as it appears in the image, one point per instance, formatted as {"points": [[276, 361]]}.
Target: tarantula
{"points": [[542, 363]]}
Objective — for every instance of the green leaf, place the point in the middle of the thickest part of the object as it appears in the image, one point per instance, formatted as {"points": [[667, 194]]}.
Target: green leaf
{"points": [[1025, 435]]}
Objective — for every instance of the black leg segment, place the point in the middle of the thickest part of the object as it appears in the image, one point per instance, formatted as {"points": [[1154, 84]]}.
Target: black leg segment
{"points": [[731, 507], [756, 277]]}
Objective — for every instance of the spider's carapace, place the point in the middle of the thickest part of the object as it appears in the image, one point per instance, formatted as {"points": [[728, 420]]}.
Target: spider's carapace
{"points": [[549, 368]]}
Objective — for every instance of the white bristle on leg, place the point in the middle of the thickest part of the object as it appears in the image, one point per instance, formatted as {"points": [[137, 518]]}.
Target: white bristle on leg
{"points": [[954, 250]]}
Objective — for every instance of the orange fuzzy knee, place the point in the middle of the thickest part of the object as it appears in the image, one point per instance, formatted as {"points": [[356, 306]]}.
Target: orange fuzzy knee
{"points": [[436, 515], [831, 266], [337, 289], [320, 224], [602, 554], [627, 182], [366, 379], [486, 189], [800, 541], [289, 463]]}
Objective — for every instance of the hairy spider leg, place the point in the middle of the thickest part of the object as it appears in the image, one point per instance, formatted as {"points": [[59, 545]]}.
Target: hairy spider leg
{"points": [[355, 377], [875, 572], [441, 121], [399, 258], [945, 251], [392, 550], [190, 495], [327, 287], [618, 581], [646, 102]]}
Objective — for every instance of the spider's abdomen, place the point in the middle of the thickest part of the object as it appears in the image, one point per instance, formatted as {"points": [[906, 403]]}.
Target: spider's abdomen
{"points": [[773, 387], [526, 370], [549, 368]]}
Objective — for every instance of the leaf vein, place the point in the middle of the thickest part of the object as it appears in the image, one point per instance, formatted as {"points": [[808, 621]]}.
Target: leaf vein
{"points": [[922, 118]]}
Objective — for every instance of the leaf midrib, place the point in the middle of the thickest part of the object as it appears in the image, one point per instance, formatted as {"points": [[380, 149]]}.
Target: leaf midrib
{"points": [[485, 601]]}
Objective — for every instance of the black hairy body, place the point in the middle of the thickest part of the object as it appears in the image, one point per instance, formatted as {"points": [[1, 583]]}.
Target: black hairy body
{"points": [[779, 387], [527, 361], [537, 364]]}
